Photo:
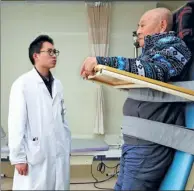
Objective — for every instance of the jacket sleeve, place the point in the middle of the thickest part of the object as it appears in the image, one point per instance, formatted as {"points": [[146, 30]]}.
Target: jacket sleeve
{"points": [[161, 64], [17, 118]]}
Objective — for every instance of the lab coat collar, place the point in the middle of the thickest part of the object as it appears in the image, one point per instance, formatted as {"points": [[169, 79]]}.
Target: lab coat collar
{"points": [[38, 77], [40, 81], [50, 77]]}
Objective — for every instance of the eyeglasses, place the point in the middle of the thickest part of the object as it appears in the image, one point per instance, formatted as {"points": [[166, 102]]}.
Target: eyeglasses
{"points": [[52, 52]]}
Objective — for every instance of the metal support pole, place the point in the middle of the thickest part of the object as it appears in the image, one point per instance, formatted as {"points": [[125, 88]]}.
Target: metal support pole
{"points": [[136, 44]]}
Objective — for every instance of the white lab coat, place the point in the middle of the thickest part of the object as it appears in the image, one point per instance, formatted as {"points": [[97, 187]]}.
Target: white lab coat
{"points": [[39, 134]]}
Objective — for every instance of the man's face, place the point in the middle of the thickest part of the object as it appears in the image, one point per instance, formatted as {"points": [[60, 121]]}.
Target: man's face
{"points": [[149, 24], [47, 56]]}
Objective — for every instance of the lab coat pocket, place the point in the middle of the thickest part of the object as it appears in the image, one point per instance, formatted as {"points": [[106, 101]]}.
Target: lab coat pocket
{"points": [[34, 152]]}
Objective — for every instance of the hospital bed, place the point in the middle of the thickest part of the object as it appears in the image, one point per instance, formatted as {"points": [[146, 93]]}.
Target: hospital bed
{"points": [[79, 147], [92, 147], [84, 151]]}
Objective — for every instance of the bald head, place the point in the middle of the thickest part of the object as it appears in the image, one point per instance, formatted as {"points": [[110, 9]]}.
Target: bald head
{"points": [[154, 21], [159, 15]]}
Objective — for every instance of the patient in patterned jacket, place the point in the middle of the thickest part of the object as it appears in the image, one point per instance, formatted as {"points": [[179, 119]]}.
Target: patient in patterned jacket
{"points": [[165, 56]]}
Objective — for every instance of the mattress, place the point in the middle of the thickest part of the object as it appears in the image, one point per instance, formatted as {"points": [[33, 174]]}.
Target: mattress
{"points": [[88, 145], [77, 145]]}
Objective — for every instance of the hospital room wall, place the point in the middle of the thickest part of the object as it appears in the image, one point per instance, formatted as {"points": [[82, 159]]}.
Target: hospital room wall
{"points": [[66, 22]]}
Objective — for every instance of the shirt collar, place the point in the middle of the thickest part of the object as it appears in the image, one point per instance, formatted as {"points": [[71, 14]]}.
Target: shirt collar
{"points": [[50, 77]]}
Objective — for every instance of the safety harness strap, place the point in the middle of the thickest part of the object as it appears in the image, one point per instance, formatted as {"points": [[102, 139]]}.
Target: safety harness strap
{"points": [[173, 136]]}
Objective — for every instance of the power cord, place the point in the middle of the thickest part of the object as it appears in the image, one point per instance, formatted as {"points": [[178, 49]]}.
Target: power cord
{"points": [[96, 181], [101, 168]]}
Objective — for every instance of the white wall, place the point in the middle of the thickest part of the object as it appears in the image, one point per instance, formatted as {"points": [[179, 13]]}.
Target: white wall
{"points": [[66, 23]]}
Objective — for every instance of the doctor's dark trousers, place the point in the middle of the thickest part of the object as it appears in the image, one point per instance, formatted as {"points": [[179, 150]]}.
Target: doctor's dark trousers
{"points": [[143, 164]]}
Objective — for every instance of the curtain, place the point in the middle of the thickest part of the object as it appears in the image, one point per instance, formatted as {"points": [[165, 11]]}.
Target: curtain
{"points": [[99, 14]]}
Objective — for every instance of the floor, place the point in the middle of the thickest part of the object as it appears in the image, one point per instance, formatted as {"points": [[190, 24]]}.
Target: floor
{"points": [[79, 174], [6, 184], [82, 174]]}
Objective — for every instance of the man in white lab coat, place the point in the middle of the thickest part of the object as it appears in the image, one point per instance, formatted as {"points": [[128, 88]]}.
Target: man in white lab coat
{"points": [[39, 138]]}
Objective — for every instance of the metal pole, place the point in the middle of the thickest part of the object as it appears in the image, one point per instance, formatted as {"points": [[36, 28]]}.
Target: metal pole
{"points": [[136, 52], [136, 44]]}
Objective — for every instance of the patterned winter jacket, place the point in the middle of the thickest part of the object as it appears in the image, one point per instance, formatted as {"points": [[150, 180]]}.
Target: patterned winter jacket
{"points": [[164, 57]]}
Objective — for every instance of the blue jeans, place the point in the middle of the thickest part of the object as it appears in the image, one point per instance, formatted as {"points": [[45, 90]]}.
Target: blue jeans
{"points": [[142, 167]]}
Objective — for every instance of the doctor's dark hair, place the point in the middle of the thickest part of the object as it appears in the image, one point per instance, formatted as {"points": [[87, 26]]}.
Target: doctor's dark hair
{"points": [[36, 45]]}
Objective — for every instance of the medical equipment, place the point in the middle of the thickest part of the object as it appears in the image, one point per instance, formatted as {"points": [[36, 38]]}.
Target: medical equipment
{"points": [[169, 135], [79, 147], [135, 44]]}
